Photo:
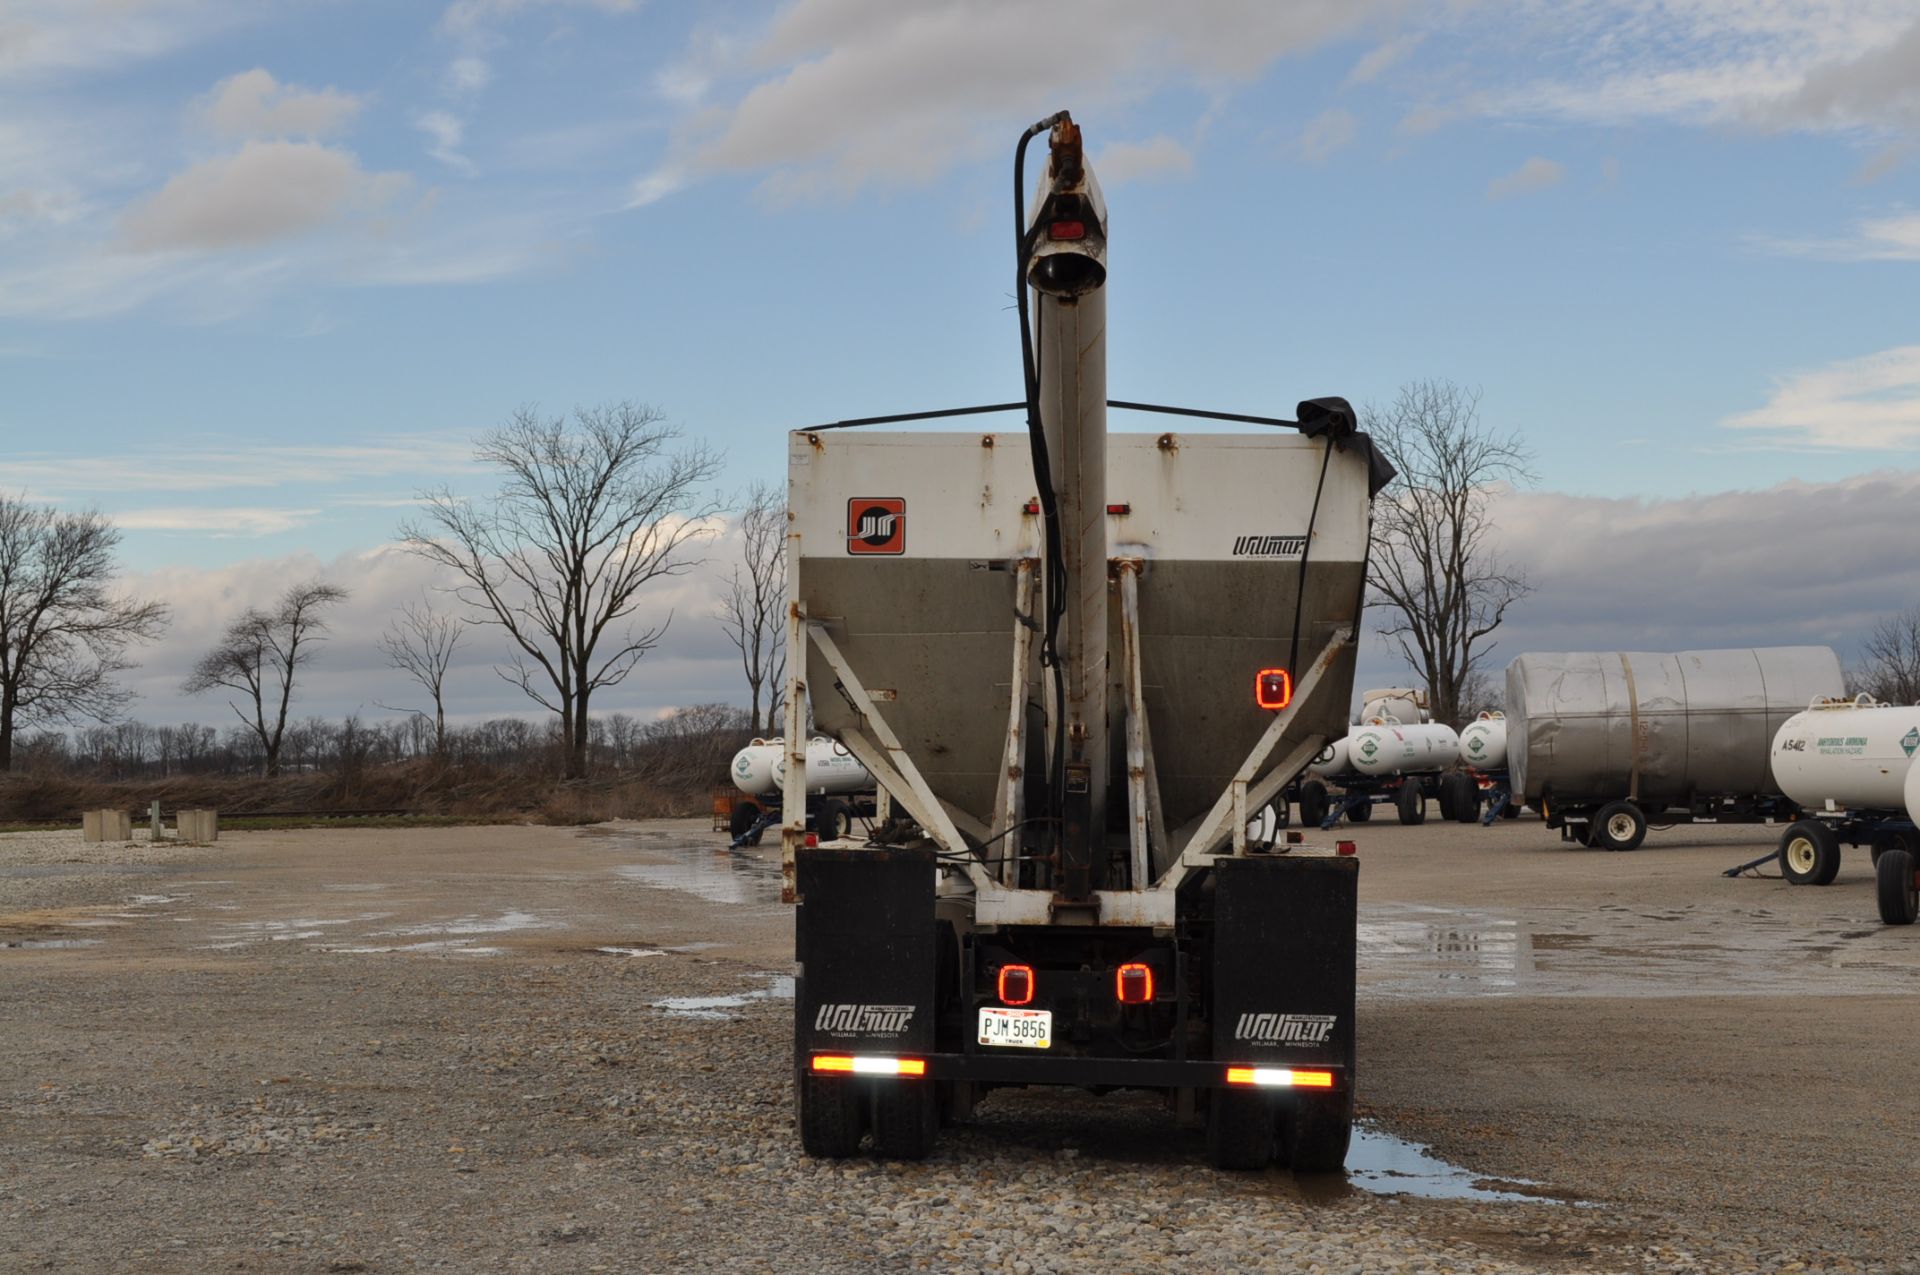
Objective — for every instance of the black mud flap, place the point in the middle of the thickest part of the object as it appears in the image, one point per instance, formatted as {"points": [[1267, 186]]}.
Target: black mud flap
{"points": [[865, 940], [1284, 952]]}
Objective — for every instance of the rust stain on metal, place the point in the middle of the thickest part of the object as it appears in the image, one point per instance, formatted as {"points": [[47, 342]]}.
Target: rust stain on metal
{"points": [[816, 442], [1168, 442], [986, 440]]}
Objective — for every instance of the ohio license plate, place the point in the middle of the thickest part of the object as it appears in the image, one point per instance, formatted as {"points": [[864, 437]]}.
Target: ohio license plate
{"points": [[1023, 1028]]}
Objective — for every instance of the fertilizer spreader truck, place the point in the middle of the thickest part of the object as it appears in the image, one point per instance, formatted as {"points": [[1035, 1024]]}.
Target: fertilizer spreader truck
{"points": [[1078, 662]]}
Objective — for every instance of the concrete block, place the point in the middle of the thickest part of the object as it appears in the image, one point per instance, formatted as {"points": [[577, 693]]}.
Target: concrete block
{"points": [[106, 825], [198, 826]]}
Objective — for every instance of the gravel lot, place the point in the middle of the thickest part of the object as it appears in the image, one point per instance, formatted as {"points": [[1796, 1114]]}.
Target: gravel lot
{"points": [[541, 1049]]}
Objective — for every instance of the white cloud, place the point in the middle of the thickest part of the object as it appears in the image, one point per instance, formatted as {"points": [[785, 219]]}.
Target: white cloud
{"points": [[46, 37], [445, 132], [1895, 238], [265, 191], [1867, 403], [1775, 64], [655, 186], [1326, 133], [1158, 157], [468, 75], [855, 92], [254, 104], [467, 17], [232, 466], [1535, 174], [219, 521], [1383, 57]]}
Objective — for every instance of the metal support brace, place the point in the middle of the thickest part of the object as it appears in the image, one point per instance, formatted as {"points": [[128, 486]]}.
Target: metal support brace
{"points": [[1143, 795], [1009, 803], [1213, 828], [793, 787], [889, 762]]}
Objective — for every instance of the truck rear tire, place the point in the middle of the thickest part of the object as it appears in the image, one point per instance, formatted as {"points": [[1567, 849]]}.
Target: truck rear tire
{"points": [[1809, 853], [832, 820], [1314, 1136], [830, 1116], [906, 1119], [1239, 1130], [1618, 825], [1411, 802], [1893, 881], [1313, 803]]}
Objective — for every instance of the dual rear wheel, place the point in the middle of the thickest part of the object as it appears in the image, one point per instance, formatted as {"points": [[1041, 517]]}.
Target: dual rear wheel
{"points": [[837, 1111], [1247, 1129]]}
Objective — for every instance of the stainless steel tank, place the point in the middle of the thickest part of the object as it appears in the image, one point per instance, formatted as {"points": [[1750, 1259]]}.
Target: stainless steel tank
{"points": [[1663, 728]]}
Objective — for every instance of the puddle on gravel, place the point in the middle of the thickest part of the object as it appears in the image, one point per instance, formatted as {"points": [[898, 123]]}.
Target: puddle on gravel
{"points": [[38, 944], [1424, 951], [1382, 1164], [716, 875], [779, 988]]}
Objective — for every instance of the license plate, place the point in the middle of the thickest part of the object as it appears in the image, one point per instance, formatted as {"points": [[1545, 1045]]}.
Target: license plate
{"points": [[1022, 1028]]}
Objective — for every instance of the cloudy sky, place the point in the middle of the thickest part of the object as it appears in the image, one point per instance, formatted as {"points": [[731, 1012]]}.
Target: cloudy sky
{"points": [[265, 269]]}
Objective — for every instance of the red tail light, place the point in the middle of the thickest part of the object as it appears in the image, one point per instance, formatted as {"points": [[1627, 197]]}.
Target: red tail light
{"points": [[1067, 230], [1273, 688], [1133, 984], [1015, 984]]}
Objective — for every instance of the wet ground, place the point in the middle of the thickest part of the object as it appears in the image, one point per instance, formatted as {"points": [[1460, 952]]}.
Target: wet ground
{"points": [[1588, 1034]]}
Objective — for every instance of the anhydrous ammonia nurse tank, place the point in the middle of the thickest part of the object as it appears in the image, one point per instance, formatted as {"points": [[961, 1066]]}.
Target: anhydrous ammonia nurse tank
{"points": [[1848, 755], [1851, 765], [759, 768], [1483, 744], [1389, 748]]}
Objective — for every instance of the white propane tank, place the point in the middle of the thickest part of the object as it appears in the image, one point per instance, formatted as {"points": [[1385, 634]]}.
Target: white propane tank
{"points": [[1389, 748], [1854, 753], [1913, 792], [760, 767], [1332, 759], [1402, 703], [1483, 744]]}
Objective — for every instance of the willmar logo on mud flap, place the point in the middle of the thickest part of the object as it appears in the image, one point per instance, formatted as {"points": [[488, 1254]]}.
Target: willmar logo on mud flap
{"points": [[1284, 1029], [863, 1020], [877, 524], [1269, 546]]}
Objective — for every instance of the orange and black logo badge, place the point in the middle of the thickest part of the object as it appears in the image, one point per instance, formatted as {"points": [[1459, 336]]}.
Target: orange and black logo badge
{"points": [[877, 524]]}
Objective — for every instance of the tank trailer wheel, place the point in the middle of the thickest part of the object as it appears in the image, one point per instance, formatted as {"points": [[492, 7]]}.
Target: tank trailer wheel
{"points": [[830, 1115], [833, 820], [1449, 796], [1618, 825], [1239, 1130], [1360, 813], [745, 815], [1893, 882], [1466, 798], [1809, 853], [906, 1119], [1411, 801], [1313, 1136], [1511, 810], [1313, 803]]}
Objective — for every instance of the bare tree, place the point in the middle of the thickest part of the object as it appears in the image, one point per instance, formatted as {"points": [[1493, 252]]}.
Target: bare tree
{"points": [[753, 612], [420, 643], [588, 516], [63, 633], [1435, 574], [1889, 668], [260, 657]]}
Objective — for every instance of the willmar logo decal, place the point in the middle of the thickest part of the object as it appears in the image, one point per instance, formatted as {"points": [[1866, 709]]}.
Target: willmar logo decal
{"points": [[877, 524]]}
